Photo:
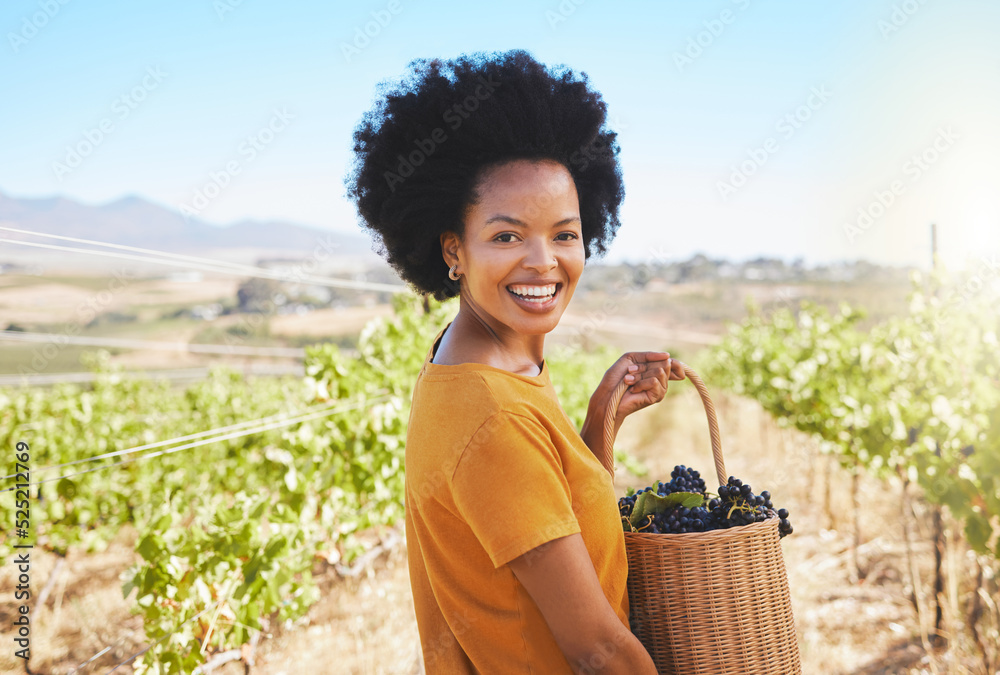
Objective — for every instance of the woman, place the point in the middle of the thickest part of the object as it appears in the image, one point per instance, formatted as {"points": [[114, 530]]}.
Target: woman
{"points": [[491, 178]]}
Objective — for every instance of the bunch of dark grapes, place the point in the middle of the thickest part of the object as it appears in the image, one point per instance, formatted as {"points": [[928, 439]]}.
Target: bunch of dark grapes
{"points": [[683, 479], [736, 505], [678, 520]]}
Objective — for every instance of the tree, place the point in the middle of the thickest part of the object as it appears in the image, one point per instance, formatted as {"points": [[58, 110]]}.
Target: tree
{"points": [[258, 295]]}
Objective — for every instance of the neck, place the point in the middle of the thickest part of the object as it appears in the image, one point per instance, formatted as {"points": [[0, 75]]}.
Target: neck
{"points": [[497, 342]]}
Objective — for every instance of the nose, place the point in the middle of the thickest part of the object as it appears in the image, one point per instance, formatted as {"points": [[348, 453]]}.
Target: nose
{"points": [[541, 258]]}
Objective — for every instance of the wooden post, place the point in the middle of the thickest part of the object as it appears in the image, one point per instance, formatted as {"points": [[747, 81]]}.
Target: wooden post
{"points": [[906, 510], [939, 635]]}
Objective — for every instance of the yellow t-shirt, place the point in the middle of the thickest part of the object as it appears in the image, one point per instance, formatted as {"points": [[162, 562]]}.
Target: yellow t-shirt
{"points": [[494, 469]]}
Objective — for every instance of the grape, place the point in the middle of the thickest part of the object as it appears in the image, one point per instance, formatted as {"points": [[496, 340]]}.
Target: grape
{"points": [[684, 479]]}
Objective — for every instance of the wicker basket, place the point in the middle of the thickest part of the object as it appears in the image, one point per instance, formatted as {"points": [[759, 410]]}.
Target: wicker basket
{"points": [[709, 602]]}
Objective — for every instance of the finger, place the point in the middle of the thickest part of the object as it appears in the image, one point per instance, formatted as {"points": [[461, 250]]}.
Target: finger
{"points": [[646, 357], [652, 380], [677, 370], [639, 388], [638, 369], [639, 377], [655, 370], [636, 380], [654, 374]]}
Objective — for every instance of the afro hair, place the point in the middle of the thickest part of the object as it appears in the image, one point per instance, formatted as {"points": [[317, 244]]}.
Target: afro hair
{"points": [[421, 150]]}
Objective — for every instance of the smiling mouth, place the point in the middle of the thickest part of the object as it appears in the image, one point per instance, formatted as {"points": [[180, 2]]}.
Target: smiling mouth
{"points": [[537, 299]]}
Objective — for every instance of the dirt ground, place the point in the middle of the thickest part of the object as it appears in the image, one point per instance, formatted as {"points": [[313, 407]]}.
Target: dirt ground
{"points": [[41, 302], [327, 322]]}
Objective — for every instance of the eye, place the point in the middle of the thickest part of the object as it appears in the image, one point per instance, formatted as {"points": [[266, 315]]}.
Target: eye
{"points": [[572, 236]]}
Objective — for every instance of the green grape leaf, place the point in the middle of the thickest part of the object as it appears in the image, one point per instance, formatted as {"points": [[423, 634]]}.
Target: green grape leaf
{"points": [[148, 547], [688, 499], [650, 503]]}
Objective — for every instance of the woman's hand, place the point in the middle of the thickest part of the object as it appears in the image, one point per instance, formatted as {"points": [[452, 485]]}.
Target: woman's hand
{"points": [[646, 373]]}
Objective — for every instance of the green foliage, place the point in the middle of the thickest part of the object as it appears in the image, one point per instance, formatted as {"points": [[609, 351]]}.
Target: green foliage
{"points": [[918, 395], [575, 374], [241, 558], [631, 464]]}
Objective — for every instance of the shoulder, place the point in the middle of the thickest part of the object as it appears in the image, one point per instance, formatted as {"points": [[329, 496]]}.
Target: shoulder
{"points": [[455, 414], [476, 403], [508, 442], [458, 393], [481, 391], [446, 413]]}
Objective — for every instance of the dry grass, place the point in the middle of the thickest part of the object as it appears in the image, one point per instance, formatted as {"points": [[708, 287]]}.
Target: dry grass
{"points": [[84, 614], [363, 625], [58, 301], [40, 303]]}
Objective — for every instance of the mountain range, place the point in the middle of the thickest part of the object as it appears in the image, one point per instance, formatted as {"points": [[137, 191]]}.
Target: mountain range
{"points": [[134, 221]]}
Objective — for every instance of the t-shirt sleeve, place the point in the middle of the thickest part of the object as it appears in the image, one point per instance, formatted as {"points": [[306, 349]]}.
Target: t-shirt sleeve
{"points": [[510, 487]]}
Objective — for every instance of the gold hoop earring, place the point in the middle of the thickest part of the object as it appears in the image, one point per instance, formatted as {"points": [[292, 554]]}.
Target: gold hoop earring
{"points": [[451, 273]]}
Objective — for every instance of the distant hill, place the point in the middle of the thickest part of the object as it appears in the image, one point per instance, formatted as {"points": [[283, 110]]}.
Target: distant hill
{"points": [[134, 221]]}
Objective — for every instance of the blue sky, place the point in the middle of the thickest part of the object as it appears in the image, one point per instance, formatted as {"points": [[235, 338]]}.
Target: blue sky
{"points": [[748, 127]]}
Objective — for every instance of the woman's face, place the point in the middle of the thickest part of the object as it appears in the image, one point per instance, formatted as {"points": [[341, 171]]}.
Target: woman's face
{"points": [[524, 234]]}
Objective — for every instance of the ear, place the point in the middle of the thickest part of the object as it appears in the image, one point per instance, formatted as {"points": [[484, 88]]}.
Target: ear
{"points": [[449, 247]]}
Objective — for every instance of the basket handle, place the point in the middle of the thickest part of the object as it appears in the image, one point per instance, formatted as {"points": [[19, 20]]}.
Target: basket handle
{"points": [[608, 460]]}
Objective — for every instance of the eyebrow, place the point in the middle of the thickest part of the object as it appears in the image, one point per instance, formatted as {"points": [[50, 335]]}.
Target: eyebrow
{"points": [[521, 223]]}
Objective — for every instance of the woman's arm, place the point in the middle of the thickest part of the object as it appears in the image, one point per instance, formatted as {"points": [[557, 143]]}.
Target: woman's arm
{"points": [[560, 578]]}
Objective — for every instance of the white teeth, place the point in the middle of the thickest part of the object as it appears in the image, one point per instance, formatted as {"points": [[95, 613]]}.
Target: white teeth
{"points": [[536, 291]]}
